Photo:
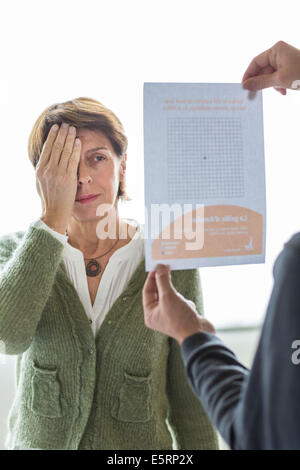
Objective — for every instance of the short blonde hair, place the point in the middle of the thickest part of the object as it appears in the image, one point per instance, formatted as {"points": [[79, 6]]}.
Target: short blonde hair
{"points": [[83, 113]]}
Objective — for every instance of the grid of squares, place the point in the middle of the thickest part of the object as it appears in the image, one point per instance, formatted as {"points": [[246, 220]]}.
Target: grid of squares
{"points": [[213, 158]]}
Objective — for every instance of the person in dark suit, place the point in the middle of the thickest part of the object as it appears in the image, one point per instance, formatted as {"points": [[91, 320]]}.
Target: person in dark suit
{"points": [[257, 408]]}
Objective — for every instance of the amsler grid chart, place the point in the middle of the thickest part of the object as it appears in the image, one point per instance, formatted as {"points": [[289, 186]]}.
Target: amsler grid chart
{"points": [[205, 158], [204, 150]]}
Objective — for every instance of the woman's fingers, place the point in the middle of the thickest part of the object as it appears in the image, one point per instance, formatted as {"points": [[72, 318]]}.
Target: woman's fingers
{"points": [[67, 149], [58, 147], [73, 161], [47, 147], [56, 185], [59, 150]]}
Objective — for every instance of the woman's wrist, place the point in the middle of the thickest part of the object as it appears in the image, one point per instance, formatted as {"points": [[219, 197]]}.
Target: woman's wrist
{"points": [[54, 224]]}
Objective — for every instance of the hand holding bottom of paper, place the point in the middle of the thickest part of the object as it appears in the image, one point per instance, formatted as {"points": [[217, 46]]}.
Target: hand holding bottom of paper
{"points": [[167, 311]]}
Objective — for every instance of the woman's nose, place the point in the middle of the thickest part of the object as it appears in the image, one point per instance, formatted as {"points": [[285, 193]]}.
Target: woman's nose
{"points": [[83, 176]]}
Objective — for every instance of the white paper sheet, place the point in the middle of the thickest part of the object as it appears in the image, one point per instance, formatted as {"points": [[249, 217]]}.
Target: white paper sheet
{"points": [[204, 175]]}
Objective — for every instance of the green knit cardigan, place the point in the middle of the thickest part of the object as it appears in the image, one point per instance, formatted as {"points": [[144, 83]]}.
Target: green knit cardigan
{"points": [[125, 389]]}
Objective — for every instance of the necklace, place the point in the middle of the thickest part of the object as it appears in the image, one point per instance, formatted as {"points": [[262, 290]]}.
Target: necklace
{"points": [[93, 268]]}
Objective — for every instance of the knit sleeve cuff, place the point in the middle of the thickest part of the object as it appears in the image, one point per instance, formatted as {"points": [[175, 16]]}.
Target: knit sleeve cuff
{"points": [[41, 224]]}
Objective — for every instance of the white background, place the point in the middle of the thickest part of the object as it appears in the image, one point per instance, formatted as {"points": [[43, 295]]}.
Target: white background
{"points": [[59, 50]]}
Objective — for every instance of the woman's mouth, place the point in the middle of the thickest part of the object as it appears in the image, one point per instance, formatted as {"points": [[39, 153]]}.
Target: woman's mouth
{"points": [[88, 200]]}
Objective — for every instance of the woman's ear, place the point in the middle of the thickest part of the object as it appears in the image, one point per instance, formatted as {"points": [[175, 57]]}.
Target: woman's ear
{"points": [[123, 167]]}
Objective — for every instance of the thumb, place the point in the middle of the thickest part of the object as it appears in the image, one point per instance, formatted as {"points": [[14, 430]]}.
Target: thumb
{"points": [[163, 281], [260, 82]]}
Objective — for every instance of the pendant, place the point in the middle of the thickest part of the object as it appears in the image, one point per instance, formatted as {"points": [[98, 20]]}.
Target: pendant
{"points": [[93, 268]]}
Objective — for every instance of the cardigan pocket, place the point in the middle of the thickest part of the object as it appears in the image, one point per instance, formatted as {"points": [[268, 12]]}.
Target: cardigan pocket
{"points": [[45, 393], [133, 404]]}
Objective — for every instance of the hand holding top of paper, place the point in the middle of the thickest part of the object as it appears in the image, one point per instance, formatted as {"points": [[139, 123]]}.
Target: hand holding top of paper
{"points": [[167, 311], [278, 67]]}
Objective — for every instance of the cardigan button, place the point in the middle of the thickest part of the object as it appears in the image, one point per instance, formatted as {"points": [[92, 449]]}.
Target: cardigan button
{"points": [[91, 350]]}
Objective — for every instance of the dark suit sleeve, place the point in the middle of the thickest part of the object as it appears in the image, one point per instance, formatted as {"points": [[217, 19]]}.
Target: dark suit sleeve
{"points": [[259, 409], [217, 378]]}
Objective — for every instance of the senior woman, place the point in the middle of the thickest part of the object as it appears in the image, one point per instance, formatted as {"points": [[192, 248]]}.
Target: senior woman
{"points": [[90, 374]]}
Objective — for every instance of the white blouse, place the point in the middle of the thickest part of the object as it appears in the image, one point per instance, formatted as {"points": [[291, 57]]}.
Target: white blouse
{"points": [[119, 269]]}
